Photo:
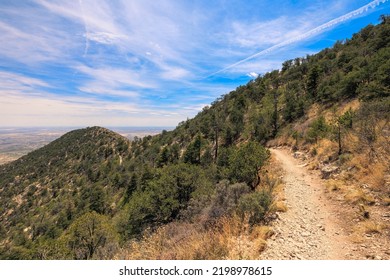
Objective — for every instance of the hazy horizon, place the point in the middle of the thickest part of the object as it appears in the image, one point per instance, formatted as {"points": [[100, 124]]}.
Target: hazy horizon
{"points": [[16, 142], [79, 127]]}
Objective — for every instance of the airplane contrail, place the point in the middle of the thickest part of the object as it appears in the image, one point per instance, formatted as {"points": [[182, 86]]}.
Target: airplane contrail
{"points": [[308, 34]]}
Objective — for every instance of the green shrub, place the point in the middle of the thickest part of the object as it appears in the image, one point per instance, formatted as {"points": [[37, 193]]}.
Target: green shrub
{"points": [[226, 199], [254, 206], [245, 163], [91, 236], [317, 129]]}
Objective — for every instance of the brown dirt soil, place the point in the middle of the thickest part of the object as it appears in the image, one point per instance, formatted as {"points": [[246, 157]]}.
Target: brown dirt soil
{"points": [[316, 225]]}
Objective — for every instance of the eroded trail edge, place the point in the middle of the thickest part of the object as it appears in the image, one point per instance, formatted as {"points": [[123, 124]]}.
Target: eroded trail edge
{"points": [[309, 229]]}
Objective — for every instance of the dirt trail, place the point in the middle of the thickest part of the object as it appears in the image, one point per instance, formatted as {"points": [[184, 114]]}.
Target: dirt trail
{"points": [[308, 230]]}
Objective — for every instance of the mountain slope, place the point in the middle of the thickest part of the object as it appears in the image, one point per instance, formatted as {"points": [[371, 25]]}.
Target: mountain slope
{"points": [[334, 104], [44, 191]]}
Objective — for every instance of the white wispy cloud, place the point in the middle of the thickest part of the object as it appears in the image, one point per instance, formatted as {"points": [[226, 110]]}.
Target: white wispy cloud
{"points": [[259, 34], [92, 60], [252, 75], [12, 81], [97, 15], [26, 47], [174, 73], [104, 37], [116, 77], [143, 29], [308, 34], [25, 98]]}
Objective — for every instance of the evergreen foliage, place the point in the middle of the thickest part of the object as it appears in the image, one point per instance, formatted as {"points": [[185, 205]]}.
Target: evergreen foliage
{"points": [[208, 165]]}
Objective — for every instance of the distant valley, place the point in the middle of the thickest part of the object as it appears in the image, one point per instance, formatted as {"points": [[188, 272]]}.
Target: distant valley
{"points": [[17, 142], [255, 175]]}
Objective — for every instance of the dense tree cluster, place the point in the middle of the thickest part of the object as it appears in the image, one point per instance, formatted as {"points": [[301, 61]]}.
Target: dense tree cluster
{"points": [[89, 191]]}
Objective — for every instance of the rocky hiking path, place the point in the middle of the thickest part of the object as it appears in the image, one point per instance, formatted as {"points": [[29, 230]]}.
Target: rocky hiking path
{"points": [[309, 229]]}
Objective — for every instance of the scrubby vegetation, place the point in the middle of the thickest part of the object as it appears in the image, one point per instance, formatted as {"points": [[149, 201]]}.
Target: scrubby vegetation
{"points": [[200, 183], [89, 192]]}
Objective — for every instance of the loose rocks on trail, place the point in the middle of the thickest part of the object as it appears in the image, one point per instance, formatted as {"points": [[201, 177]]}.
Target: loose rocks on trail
{"points": [[308, 230]]}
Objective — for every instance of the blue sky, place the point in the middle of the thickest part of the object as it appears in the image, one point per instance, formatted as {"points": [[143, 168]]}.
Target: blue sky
{"points": [[152, 63]]}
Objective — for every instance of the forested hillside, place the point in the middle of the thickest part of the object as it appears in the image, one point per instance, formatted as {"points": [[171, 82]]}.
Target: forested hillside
{"points": [[91, 194]]}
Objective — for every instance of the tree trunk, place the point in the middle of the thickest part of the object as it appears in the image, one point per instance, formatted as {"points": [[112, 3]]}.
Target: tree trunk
{"points": [[216, 146], [339, 139]]}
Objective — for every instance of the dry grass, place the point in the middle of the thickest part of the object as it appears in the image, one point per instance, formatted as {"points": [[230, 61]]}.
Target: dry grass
{"points": [[364, 176], [370, 227], [372, 173], [325, 149], [242, 242], [371, 164], [273, 174], [386, 201], [334, 185], [353, 105], [228, 238], [175, 241], [359, 162], [355, 195], [231, 238], [367, 227], [313, 112], [278, 206], [376, 176], [261, 232]]}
